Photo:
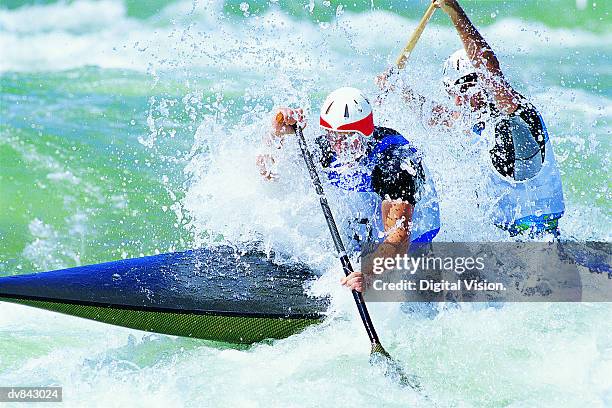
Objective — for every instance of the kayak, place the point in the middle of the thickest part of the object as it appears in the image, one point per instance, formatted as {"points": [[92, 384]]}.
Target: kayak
{"points": [[216, 294]]}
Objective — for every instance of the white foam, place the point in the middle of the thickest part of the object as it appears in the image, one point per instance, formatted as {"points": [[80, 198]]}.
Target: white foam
{"points": [[522, 357], [83, 32], [228, 197], [78, 16], [531, 354]]}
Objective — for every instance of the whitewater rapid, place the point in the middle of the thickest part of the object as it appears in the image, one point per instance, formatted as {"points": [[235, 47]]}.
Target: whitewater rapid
{"points": [[134, 135]]}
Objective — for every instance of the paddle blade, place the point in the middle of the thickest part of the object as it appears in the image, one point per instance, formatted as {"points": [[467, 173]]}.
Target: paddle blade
{"points": [[392, 369]]}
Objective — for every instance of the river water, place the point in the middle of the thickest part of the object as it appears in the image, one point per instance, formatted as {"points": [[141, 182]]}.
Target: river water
{"points": [[130, 128]]}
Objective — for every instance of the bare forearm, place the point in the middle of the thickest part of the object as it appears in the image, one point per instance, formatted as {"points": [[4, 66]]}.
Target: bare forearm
{"points": [[397, 221], [391, 249], [266, 160], [266, 164], [477, 48], [435, 114], [413, 99], [482, 56], [283, 121]]}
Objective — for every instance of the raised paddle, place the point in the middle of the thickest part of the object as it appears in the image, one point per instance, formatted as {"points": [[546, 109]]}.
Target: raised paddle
{"points": [[405, 54], [378, 355], [400, 63]]}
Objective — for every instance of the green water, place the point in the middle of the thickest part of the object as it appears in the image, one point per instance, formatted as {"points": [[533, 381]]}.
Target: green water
{"points": [[129, 128], [69, 146]]}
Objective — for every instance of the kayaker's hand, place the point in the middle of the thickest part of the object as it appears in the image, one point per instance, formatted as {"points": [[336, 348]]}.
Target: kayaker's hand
{"points": [[285, 118], [282, 125], [383, 82], [267, 165], [450, 7], [354, 281]]}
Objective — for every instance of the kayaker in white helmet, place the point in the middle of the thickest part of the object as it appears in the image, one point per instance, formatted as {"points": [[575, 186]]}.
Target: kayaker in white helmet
{"points": [[391, 197], [523, 192]]}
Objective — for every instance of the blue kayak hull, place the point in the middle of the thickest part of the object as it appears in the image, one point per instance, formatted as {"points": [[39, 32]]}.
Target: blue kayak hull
{"points": [[216, 294]]}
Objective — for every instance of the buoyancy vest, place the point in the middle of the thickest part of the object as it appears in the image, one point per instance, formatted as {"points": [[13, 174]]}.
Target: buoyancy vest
{"points": [[363, 206], [533, 204]]}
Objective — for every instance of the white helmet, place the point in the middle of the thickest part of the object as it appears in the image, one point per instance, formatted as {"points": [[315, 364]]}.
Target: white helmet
{"points": [[457, 66], [347, 110]]}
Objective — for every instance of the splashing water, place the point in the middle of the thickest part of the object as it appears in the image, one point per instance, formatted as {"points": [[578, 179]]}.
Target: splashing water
{"points": [[130, 130]]}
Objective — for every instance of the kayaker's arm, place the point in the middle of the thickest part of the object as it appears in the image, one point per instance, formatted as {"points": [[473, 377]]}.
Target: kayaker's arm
{"points": [[282, 125], [430, 112], [397, 180], [434, 113], [482, 57], [397, 219]]}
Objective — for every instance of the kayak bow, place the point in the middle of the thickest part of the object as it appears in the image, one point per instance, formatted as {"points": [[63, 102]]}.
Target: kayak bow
{"points": [[214, 294]]}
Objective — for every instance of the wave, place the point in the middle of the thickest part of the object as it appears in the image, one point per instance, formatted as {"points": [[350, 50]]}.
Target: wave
{"points": [[102, 33], [588, 14], [79, 16]]}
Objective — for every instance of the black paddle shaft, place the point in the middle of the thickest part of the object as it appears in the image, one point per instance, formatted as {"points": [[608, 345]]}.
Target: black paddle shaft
{"points": [[333, 229]]}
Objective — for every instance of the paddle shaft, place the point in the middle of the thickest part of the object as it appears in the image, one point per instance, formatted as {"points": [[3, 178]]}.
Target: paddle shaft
{"points": [[333, 229], [405, 54]]}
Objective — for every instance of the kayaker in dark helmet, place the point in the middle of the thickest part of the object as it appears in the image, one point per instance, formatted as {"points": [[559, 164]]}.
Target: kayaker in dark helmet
{"points": [[522, 191], [389, 196]]}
